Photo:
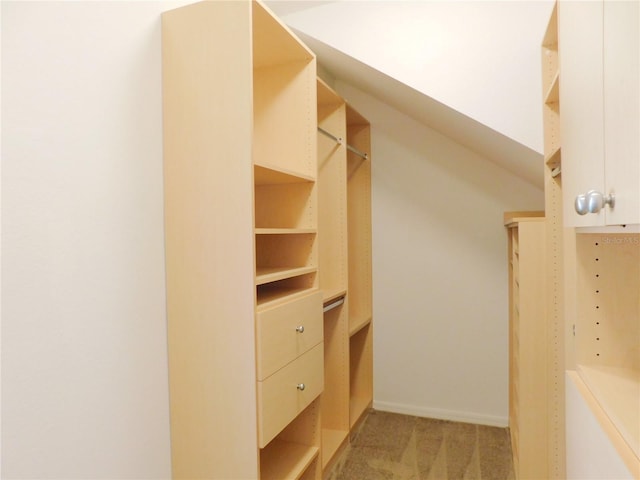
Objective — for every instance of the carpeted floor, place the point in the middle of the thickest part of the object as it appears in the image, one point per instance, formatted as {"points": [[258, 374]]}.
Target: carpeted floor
{"points": [[389, 446]]}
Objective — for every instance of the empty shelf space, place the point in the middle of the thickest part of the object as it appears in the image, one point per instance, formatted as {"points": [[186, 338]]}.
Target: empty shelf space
{"points": [[554, 158], [273, 274], [271, 293], [274, 175], [332, 440], [358, 323], [618, 393], [358, 405], [284, 290], [282, 460], [329, 295], [552, 94]]}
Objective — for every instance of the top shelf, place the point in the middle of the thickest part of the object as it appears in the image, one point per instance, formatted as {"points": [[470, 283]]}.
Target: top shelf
{"points": [[273, 42], [550, 40]]}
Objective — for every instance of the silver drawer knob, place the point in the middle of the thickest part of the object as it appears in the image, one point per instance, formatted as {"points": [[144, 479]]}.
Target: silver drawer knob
{"points": [[593, 202], [301, 387], [300, 329]]}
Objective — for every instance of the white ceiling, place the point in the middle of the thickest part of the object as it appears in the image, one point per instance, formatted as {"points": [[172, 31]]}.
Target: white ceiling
{"points": [[478, 137]]}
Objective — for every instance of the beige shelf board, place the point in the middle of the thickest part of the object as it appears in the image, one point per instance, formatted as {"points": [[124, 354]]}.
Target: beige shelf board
{"points": [[618, 392], [553, 93], [326, 95], [630, 458], [285, 231], [265, 174], [553, 159], [511, 219], [331, 294], [273, 42], [285, 460], [332, 440], [269, 295], [273, 274], [356, 324]]}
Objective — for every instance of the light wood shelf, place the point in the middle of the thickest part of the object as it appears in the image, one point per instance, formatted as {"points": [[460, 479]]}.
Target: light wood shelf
{"points": [[241, 229], [282, 460], [273, 274], [333, 294], [618, 391], [552, 95], [345, 265], [554, 158], [358, 324], [274, 293], [285, 231], [554, 324], [274, 175], [527, 339]]}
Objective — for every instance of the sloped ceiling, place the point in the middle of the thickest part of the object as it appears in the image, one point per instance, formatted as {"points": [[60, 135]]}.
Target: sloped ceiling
{"points": [[469, 128]]}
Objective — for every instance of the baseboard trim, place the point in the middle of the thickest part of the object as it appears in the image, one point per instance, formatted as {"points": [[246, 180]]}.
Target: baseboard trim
{"points": [[441, 414]]}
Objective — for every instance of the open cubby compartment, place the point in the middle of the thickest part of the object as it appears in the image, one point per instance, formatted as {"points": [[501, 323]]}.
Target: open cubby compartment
{"points": [[286, 289], [360, 373], [607, 330], [291, 205], [551, 114], [284, 97], [294, 453], [284, 105], [335, 396], [280, 256], [332, 192]]}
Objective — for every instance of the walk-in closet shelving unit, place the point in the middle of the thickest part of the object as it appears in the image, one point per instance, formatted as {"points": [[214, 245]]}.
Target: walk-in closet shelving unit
{"points": [[527, 341], [241, 226], [599, 91], [555, 239], [345, 261], [332, 197], [360, 275]]}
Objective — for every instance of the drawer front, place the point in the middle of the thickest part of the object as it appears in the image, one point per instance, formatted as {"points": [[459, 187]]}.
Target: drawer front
{"points": [[279, 336], [281, 397]]}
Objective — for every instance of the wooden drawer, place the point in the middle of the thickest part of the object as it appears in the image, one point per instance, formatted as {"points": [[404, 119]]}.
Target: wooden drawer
{"points": [[280, 397], [278, 339]]}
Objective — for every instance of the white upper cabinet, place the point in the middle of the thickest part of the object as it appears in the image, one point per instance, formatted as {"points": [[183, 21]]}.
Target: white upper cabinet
{"points": [[622, 109], [600, 118]]}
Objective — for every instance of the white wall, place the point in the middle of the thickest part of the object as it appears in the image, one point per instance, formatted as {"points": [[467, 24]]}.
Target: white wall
{"points": [[479, 57], [84, 364], [440, 270]]}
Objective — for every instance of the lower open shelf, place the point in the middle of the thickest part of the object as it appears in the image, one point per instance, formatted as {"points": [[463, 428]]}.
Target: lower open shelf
{"points": [[332, 440], [282, 460], [358, 405], [618, 393], [358, 323]]}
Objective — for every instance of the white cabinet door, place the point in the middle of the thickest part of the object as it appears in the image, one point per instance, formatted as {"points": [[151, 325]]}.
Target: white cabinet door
{"points": [[622, 110], [580, 43]]}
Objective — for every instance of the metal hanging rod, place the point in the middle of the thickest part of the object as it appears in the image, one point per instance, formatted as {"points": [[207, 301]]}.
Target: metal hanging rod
{"points": [[357, 152], [333, 305], [340, 141]]}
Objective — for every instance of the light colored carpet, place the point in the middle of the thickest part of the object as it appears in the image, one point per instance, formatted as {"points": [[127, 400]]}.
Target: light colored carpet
{"points": [[389, 446]]}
